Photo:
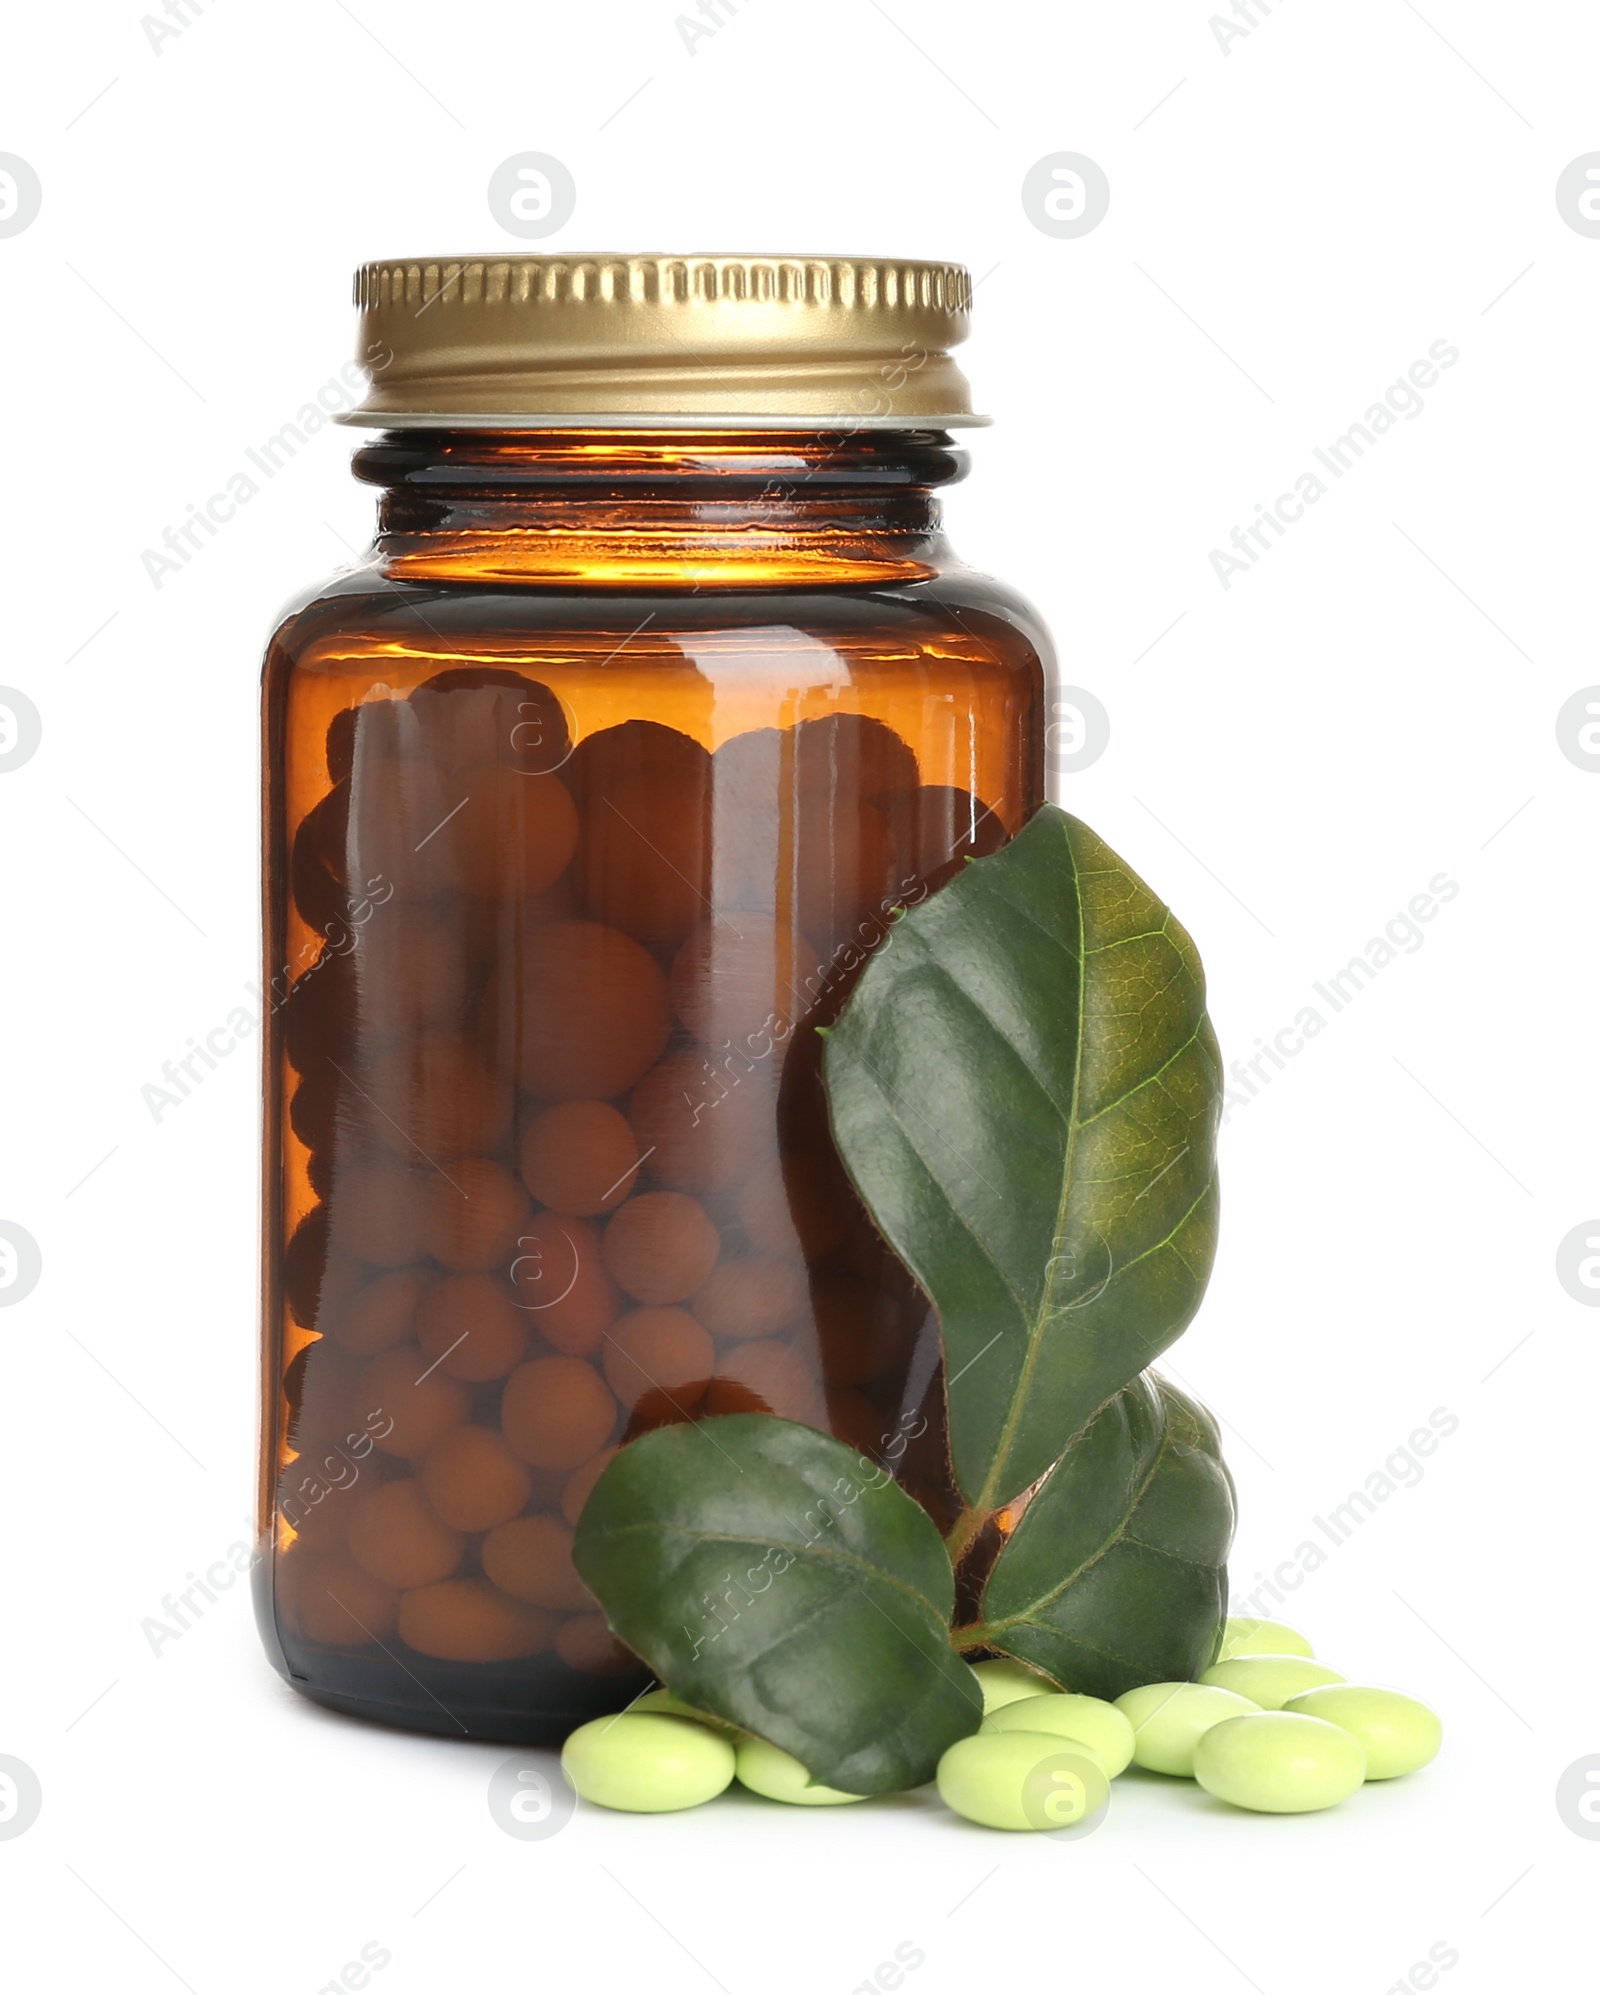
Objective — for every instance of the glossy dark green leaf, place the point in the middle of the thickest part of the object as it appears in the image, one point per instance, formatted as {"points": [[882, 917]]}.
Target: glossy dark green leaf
{"points": [[771, 1577], [1115, 1576], [1025, 1089]]}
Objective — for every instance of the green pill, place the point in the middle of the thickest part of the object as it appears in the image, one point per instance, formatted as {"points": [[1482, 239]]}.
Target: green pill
{"points": [[779, 1776], [1090, 1720], [647, 1764], [668, 1706], [1168, 1720], [1280, 1763], [1270, 1681], [1243, 1635], [1023, 1780], [1005, 1681], [1399, 1733]]}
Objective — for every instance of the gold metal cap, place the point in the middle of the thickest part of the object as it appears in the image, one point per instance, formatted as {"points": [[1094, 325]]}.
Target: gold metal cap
{"points": [[624, 342]]}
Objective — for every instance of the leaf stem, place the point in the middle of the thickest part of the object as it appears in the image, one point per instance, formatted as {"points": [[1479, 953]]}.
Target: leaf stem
{"points": [[959, 1538]]}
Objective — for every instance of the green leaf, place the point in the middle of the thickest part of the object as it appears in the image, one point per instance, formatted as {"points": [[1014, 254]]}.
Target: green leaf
{"points": [[772, 1577], [1115, 1575], [1025, 1089]]}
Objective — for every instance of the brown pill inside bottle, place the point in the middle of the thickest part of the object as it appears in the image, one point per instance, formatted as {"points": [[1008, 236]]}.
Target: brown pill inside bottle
{"points": [[400, 813], [840, 855], [586, 1643], [739, 982], [661, 1246], [473, 1480], [765, 1377], [470, 1327], [704, 1128], [468, 1620], [406, 1404], [305, 1264], [377, 1212], [562, 1285], [791, 1208], [579, 1158], [556, 1412], [339, 1603], [936, 829], [474, 714], [586, 1010], [753, 1297], [320, 1385], [575, 1494], [433, 1099], [851, 755], [317, 863], [513, 834], [473, 1215], [662, 1350], [396, 1536], [531, 1559], [381, 1314], [642, 864]]}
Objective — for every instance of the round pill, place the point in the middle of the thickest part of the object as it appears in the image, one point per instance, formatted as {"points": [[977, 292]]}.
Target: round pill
{"points": [[513, 834], [660, 1246], [404, 1405], [556, 1412], [752, 1297], [377, 1213], [1270, 1681], [648, 1765], [1090, 1720], [795, 1207], [644, 860], [531, 1559], [381, 1314], [398, 807], [662, 1350], [779, 1776], [1169, 1719], [343, 1605], [586, 1643], [1398, 1732], [472, 1218], [586, 1008], [1243, 1635], [470, 1327], [1005, 1682], [396, 1536], [739, 982], [320, 1384], [1023, 1780], [766, 1376], [434, 1099], [580, 1158], [473, 1480], [561, 1282], [467, 1620], [1279, 1763], [583, 1479], [703, 1128]]}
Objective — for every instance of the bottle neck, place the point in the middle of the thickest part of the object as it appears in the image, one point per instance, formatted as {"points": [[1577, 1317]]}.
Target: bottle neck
{"points": [[690, 510]]}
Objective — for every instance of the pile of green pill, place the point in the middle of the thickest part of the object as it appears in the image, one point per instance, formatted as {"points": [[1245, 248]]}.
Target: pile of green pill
{"points": [[1267, 1728]]}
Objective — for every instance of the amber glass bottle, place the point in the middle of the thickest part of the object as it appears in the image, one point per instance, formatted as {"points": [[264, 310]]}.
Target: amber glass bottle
{"points": [[587, 794]]}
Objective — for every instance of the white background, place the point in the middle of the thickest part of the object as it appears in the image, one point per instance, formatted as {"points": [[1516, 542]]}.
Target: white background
{"points": [[1293, 222]]}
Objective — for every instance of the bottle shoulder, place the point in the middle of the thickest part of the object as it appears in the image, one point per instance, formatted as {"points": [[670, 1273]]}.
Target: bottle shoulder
{"points": [[361, 607]]}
